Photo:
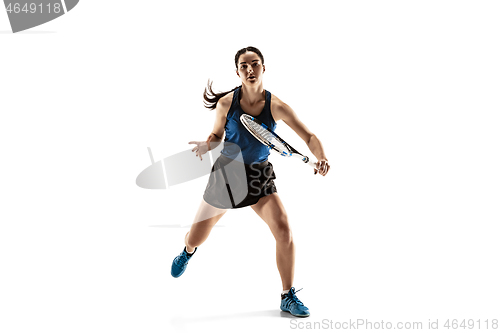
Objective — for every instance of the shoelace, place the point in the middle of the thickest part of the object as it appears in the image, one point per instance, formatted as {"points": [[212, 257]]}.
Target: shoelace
{"points": [[293, 298], [182, 259]]}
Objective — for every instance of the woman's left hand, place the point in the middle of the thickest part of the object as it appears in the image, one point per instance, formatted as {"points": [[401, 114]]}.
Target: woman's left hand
{"points": [[322, 167]]}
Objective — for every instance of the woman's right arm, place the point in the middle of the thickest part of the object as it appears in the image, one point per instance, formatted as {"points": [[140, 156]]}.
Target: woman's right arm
{"points": [[215, 138]]}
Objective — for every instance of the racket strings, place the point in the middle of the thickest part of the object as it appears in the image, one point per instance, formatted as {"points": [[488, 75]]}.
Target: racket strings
{"points": [[267, 137]]}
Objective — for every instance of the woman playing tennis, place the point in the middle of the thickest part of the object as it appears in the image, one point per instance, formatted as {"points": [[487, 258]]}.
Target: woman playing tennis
{"points": [[242, 175]]}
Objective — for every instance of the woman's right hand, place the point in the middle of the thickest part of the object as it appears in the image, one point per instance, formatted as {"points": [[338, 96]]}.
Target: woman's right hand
{"points": [[202, 146]]}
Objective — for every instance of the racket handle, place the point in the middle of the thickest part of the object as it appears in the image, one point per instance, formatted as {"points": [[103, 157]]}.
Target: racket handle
{"points": [[312, 164], [306, 160]]}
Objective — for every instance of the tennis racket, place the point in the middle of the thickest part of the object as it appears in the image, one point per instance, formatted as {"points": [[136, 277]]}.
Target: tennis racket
{"points": [[267, 137]]}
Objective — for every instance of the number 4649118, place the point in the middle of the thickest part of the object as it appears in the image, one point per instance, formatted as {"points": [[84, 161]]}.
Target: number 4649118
{"points": [[34, 8]]}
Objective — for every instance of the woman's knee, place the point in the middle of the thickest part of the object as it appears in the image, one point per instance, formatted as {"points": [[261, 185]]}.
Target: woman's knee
{"points": [[282, 231]]}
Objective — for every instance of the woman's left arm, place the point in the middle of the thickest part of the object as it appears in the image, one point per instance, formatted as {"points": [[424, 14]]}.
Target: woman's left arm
{"points": [[282, 111]]}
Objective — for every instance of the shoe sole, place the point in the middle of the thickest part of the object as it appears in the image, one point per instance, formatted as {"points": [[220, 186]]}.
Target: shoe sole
{"points": [[295, 315]]}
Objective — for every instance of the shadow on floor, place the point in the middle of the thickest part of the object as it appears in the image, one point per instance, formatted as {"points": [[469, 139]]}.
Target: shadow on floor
{"points": [[277, 313]]}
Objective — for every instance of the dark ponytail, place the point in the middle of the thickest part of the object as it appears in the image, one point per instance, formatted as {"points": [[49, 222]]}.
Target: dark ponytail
{"points": [[211, 97]]}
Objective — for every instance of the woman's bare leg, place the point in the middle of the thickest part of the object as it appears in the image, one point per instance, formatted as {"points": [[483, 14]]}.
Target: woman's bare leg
{"points": [[271, 210], [205, 219]]}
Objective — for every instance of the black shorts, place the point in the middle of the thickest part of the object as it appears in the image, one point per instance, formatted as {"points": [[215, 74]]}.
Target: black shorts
{"points": [[233, 184]]}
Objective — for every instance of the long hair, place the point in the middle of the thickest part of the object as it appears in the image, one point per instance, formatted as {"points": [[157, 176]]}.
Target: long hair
{"points": [[211, 98]]}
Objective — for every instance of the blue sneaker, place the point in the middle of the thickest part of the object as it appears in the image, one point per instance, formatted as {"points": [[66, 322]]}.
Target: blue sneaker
{"points": [[180, 263], [290, 303]]}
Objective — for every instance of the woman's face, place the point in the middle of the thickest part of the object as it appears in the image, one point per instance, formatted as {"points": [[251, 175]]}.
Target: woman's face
{"points": [[250, 68]]}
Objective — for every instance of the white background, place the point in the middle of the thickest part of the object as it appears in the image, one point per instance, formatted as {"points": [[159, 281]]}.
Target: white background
{"points": [[403, 95]]}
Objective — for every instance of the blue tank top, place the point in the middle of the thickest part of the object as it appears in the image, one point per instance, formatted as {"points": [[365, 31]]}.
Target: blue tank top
{"points": [[238, 138]]}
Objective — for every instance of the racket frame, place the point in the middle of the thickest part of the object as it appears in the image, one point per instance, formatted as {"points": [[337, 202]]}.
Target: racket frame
{"points": [[292, 152]]}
